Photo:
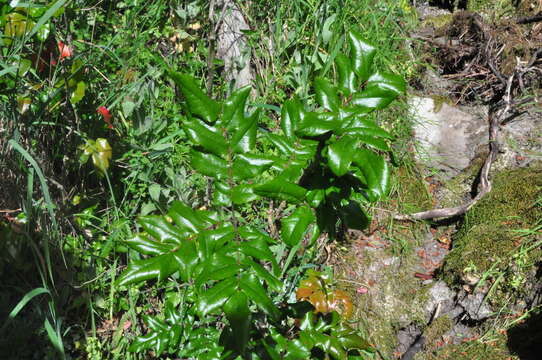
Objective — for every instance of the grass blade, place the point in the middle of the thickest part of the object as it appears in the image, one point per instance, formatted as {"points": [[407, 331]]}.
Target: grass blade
{"points": [[45, 17], [49, 203], [55, 337], [22, 303]]}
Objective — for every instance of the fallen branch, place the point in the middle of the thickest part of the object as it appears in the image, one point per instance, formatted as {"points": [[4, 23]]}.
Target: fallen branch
{"points": [[530, 19]]}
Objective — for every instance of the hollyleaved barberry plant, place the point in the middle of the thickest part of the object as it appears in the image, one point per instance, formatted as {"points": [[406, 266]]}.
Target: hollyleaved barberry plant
{"points": [[327, 164]]}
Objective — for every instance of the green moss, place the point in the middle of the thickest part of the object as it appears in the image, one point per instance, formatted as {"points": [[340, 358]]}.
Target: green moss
{"points": [[454, 190], [412, 193], [472, 350], [437, 21], [502, 8], [394, 298], [436, 330], [487, 239]]}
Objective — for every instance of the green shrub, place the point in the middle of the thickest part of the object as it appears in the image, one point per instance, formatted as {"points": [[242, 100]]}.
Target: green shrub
{"points": [[326, 165]]}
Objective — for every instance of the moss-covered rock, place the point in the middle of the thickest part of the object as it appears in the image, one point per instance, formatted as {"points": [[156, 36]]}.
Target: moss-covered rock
{"points": [[472, 350], [412, 193], [488, 244], [500, 8], [437, 21], [387, 295], [436, 330]]}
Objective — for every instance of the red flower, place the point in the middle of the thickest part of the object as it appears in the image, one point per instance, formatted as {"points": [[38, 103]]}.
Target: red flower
{"points": [[106, 115], [65, 50]]}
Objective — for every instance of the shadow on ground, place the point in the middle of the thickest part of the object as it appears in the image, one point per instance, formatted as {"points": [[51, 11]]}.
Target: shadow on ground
{"points": [[525, 340]]}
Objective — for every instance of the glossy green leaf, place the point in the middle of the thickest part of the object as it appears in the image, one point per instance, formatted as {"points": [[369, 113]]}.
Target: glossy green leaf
{"points": [[238, 315], [212, 239], [218, 267], [186, 259], [234, 108], [350, 340], [350, 114], [198, 103], [280, 189], [252, 288], [259, 249], [367, 131], [374, 142], [256, 236], [243, 194], [248, 166], [212, 299], [394, 83], [315, 197], [295, 226], [290, 117], [159, 267], [282, 143], [333, 347], [271, 351], [145, 342], [374, 97], [241, 128], [314, 124], [256, 245], [376, 172], [362, 54], [291, 170], [346, 76], [186, 217], [43, 32], [160, 229], [340, 153], [381, 90], [155, 324], [273, 283], [222, 194], [244, 136], [206, 136], [326, 94], [297, 351], [147, 246], [209, 164]]}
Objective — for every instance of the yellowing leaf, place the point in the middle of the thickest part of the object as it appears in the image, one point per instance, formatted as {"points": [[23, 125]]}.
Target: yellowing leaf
{"points": [[194, 26], [100, 151], [102, 155], [17, 25], [23, 104], [317, 290]]}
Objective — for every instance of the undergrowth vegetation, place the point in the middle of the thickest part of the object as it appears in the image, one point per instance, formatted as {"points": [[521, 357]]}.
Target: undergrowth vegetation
{"points": [[145, 216]]}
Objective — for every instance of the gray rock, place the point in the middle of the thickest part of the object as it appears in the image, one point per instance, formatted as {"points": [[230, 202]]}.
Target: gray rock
{"points": [[448, 137], [475, 307], [440, 295], [406, 337]]}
